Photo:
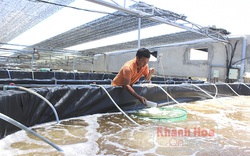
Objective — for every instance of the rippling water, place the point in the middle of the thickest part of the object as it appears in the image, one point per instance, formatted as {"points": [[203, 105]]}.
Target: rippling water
{"points": [[213, 127]]}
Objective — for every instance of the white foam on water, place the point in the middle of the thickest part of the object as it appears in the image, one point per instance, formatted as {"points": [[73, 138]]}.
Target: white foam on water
{"points": [[92, 134], [87, 148], [19, 136], [129, 132], [79, 149], [90, 147]]}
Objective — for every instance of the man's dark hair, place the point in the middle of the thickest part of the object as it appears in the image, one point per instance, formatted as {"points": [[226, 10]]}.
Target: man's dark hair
{"points": [[143, 52]]}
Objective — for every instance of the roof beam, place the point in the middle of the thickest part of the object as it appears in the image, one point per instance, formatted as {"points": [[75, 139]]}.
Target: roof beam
{"points": [[216, 35]]}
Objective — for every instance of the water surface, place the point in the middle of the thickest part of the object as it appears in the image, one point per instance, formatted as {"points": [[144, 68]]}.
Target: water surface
{"points": [[213, 127]]}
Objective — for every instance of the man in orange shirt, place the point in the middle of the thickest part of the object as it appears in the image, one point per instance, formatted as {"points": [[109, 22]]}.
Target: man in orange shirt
{"points": [[132, 71]]}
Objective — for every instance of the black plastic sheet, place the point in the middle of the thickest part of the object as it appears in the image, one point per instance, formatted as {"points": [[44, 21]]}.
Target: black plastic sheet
{"points": [[57, 77], [40, 75]]}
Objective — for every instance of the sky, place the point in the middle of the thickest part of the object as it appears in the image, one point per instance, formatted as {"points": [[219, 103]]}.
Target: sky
{"points": [[227, 14]]}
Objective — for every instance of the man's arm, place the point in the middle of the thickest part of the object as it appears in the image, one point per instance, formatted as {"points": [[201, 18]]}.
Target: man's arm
{"points": [[129, 88]]}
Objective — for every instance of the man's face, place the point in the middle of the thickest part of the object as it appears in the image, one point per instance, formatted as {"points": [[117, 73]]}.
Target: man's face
{"points": [[141, 62]]}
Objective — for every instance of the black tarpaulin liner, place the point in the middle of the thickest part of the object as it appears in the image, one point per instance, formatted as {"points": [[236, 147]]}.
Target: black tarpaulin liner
{"points": [[72, 100], [12, 74], [52, 82], [57, 77]]}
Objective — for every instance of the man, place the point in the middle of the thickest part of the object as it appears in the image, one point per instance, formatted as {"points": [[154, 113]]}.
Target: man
{"points": [[132, 71]]}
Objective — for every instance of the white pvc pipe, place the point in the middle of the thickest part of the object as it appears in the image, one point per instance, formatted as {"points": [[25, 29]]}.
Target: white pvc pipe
{"points": [[116, 104], [216, 89], [230, 88], [245, 85], [8, 73], [164, 92], [139, 32], [202, 90], [21, 126], [30, 91]]}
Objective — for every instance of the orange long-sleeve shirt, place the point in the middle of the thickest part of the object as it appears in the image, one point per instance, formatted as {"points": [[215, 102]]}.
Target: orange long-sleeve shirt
{"points": [[134, 76]]}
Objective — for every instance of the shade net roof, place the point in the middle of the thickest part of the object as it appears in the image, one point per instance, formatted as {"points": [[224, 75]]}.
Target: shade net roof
{"points": [[175, 38], [18, 16], [106, 26]]}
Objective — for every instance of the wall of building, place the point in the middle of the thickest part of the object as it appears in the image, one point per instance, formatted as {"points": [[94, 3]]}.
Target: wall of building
{"points": [[112, 62], [174, 60]]}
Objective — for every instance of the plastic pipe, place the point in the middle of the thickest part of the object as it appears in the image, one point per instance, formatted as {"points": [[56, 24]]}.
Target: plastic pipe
{"points": [[116, 104], [30, 91], [139, 33], [202, 90], [230, 88], [8, 73], [213, 97], [216, 89], [21, 126], [245, 85], [164, 92]]}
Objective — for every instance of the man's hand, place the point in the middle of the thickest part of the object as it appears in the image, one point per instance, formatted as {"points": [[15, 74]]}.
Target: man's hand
{"points": [[150, 73], [142, 100]]}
